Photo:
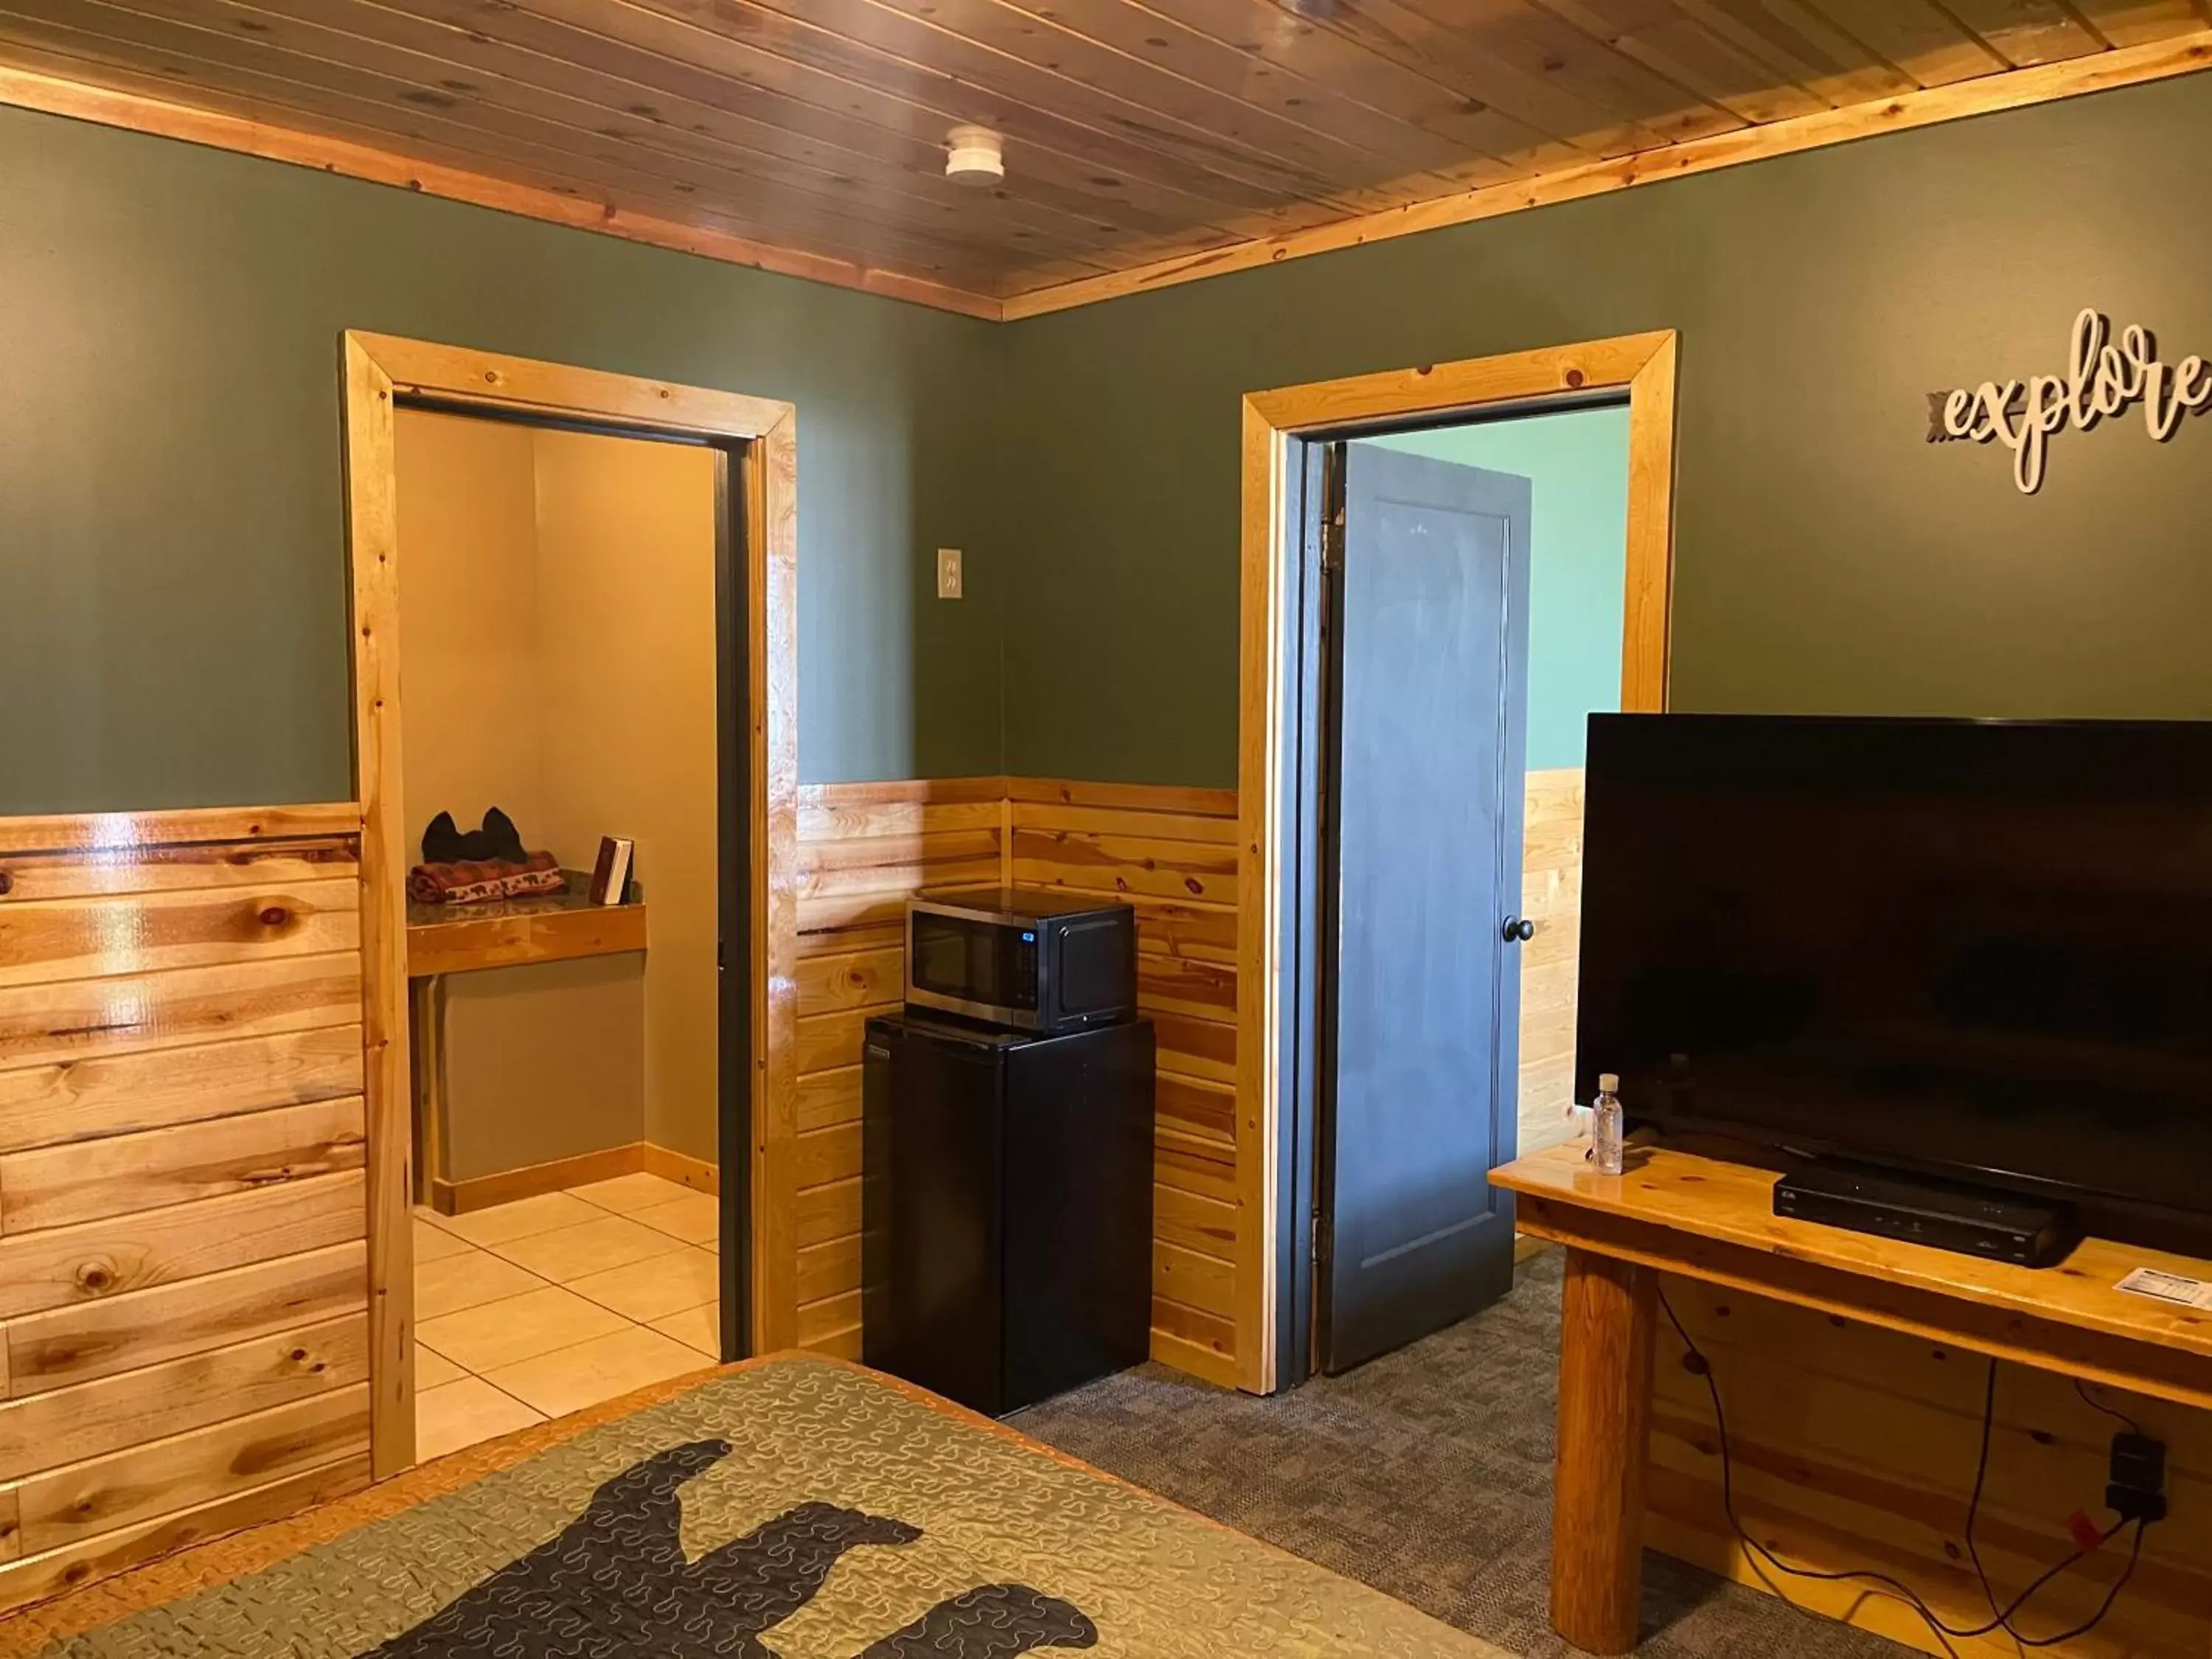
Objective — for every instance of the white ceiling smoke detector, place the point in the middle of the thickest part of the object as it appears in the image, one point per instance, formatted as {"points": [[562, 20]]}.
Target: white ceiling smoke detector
{"points": [[975, 156]]}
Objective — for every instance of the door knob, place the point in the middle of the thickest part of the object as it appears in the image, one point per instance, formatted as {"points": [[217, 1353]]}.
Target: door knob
{"points": [[1519, 930]]}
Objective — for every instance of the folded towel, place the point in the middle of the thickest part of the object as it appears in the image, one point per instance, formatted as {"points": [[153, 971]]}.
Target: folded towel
{"points": [[482, 881]]}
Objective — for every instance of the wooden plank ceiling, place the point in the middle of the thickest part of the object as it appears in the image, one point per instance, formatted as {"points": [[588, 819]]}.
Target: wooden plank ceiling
{"points": [[1137, 131]]}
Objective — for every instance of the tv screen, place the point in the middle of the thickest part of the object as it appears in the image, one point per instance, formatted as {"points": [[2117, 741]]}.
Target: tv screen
{"points": [[1974, 949]]}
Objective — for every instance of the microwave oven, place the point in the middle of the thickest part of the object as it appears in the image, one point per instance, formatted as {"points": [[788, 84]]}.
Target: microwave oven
{"points": [[1035, 961]]}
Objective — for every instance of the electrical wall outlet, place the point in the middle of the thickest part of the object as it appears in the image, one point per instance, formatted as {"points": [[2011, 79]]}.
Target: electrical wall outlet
{"points": [[948, 573], [2137, 1491]]}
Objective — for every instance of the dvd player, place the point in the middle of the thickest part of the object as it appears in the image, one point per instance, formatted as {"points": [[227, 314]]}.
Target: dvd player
{"points": [[1945, 1215]]}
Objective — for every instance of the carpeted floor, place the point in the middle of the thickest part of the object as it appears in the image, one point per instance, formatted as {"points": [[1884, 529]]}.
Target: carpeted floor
{"points": [[1427, 1474]]}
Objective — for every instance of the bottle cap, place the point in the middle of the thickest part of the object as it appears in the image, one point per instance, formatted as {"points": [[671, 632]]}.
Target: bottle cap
{"points": [[1608, 1083]]}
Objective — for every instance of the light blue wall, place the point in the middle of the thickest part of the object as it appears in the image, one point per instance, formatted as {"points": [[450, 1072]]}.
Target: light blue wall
{"points": [[1576, 463]]}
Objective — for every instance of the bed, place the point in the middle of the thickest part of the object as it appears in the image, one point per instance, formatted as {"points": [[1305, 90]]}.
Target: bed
{"points": [[788, 1508]]}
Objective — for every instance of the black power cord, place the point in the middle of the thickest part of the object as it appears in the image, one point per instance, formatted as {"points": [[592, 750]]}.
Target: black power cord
{"points": [[1973, 1550], [1898, 1589]]}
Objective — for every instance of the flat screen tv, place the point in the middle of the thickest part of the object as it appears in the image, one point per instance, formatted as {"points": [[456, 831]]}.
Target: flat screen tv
{"points": [[1977, 950]]}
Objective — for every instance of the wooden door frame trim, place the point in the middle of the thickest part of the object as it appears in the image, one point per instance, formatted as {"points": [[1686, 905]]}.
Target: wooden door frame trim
{"points": [[1642, 365], [378, 370]]}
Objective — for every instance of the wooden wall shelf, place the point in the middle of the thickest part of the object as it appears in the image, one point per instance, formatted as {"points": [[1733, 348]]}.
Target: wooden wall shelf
{"points": [[552, 927]]}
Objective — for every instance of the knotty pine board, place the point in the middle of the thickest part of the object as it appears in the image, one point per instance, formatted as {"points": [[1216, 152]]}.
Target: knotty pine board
{"points": [[63, 1101], [70, 1020], [82, 938], [183, 1313], [91, 1180], [50, 1351]]}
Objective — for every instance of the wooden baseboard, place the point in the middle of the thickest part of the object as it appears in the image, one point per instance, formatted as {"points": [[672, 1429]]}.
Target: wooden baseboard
{"points": [[682, 1167], [482, 1192]]}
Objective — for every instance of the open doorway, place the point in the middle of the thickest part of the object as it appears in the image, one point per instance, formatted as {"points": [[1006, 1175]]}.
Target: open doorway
{"points": [[558, 647], [573, 601], [1451, 568]]}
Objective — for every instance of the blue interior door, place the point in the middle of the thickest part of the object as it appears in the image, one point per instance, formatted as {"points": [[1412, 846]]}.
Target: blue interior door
{"points": [[1420, 985]]}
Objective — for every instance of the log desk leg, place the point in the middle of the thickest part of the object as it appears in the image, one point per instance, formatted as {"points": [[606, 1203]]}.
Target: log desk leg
{"points": [[1604, 1432]]}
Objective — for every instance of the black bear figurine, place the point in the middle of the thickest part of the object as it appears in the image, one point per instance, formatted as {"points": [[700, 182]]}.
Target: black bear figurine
{"points": [[498, 841]]}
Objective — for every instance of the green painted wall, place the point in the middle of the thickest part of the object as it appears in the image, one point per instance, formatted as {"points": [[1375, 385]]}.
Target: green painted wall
{"points": [[172, 584], [1829, 558], [1577, 464], [171, 577]]}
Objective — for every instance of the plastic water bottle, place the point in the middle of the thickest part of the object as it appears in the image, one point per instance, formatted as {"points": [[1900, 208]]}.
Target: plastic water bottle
{"points": [[1607, 1150]]}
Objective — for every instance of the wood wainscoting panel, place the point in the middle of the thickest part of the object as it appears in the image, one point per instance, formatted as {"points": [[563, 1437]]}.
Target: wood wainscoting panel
{"points": [[69, 1021], [91, 1339], [1552, 897], [76, 938], [1854, 1446], [81, 1501], [72, 1100], [70, 1426], [183, 1285], [1172, 853], [864, 848], [88, 1180], [37, 1577], [64, 1267]]}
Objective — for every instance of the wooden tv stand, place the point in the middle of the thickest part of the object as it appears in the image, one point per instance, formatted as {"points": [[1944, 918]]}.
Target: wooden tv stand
{"points": [[1678, 1212]]}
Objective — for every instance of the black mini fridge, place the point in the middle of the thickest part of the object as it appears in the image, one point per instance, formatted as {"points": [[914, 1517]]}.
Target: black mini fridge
{"points": [[1006, 1205]]}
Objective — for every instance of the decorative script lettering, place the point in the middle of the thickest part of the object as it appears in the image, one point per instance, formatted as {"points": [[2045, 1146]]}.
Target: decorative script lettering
{"points": [[2105, 374]]}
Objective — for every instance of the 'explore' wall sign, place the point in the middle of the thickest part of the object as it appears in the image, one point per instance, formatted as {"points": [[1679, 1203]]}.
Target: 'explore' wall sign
{"points": [[2102, 376]]}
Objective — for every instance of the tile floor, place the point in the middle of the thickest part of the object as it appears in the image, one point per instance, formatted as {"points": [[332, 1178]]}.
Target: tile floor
{"points": [[548, 1304]]}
